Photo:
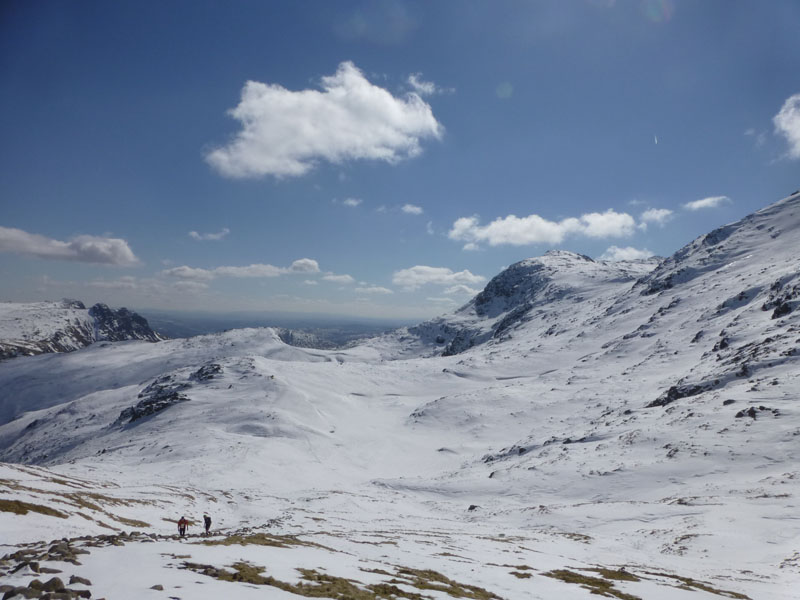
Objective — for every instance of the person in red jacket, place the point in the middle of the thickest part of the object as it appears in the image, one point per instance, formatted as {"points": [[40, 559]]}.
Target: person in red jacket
{"points": [[182, 526]]}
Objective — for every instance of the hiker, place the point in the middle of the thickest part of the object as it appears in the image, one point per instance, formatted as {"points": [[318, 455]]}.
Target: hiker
{"points": [[182, 526], [207, 523]]}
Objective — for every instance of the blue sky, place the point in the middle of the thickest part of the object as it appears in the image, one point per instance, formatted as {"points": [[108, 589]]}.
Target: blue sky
{"points": [[379, 158]]}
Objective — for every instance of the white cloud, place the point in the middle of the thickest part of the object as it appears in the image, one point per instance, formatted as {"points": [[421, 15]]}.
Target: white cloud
{"points": [[352, 202], [411, 209], [710, 202], [305, 265], [429, 228], [534, 229], [461, 289], [441, 300], [186, 273], [787, 124], [202, 237], [426, 88], [311, 282], [83, 248], [629, 253], [417, 276], [256, 270], [374, 289], [189, 273], [659, 216], [423, 88], [338, 278], [284, 133]]}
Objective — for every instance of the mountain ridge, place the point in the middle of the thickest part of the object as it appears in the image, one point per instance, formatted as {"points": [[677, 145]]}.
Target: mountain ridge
{"points": [[65, 326]]}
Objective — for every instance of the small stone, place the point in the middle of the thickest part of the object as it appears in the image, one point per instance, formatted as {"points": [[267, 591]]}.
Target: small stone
{"points": [[75, 579], [158, 587], [35, 584]]}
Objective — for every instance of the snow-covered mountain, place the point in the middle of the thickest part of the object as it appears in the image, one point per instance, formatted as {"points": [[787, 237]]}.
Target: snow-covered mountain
{"points": [[578, 428], [36, 328]]}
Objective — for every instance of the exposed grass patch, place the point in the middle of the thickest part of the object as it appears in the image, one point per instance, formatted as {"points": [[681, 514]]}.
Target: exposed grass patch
{"points": [[687, 583], [18, 507], [129, 522], [578, 537], [616, 574], [426, 579], [314, 584], [521, 575], [596, 585], [260, 539], [321, 585]]}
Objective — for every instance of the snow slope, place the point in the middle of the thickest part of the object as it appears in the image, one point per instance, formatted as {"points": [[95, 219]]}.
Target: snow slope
{"points": [[586, 415]]}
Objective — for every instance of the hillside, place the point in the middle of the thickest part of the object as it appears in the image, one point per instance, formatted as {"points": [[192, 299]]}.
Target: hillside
{"points": [[577, 424], [27, 329]]}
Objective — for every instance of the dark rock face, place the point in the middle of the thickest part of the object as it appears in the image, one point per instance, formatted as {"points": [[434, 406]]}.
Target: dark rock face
{"points": [[159, 395], [120, 324], [676, 392], [207, 372]]}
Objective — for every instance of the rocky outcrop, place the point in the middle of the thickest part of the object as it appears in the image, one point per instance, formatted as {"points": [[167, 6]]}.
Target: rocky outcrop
{"points": [[39, 328], [116, 325]]}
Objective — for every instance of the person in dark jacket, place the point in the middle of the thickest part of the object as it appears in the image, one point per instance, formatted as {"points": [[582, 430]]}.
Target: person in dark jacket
{"points": [[207, 523]]}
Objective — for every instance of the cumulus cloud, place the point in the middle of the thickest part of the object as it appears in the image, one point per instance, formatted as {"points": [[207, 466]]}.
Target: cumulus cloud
{"points": [[628, 253], [787, 124], [204, 237], [710, 202], [284, 133], [461, 289], [352, 202], [338, 278], [256, 271], [186, 273], [83, 248], [374, 289], [419, 275], [659, 216], [533, 229], [412, 209], [305, 265]]}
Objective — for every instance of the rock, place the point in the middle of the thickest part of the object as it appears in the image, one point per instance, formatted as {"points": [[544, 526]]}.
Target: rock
{"points": [[24, 592], [207, 372], [75, 579], [54, 585], [35, 584], [158, 587]]}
